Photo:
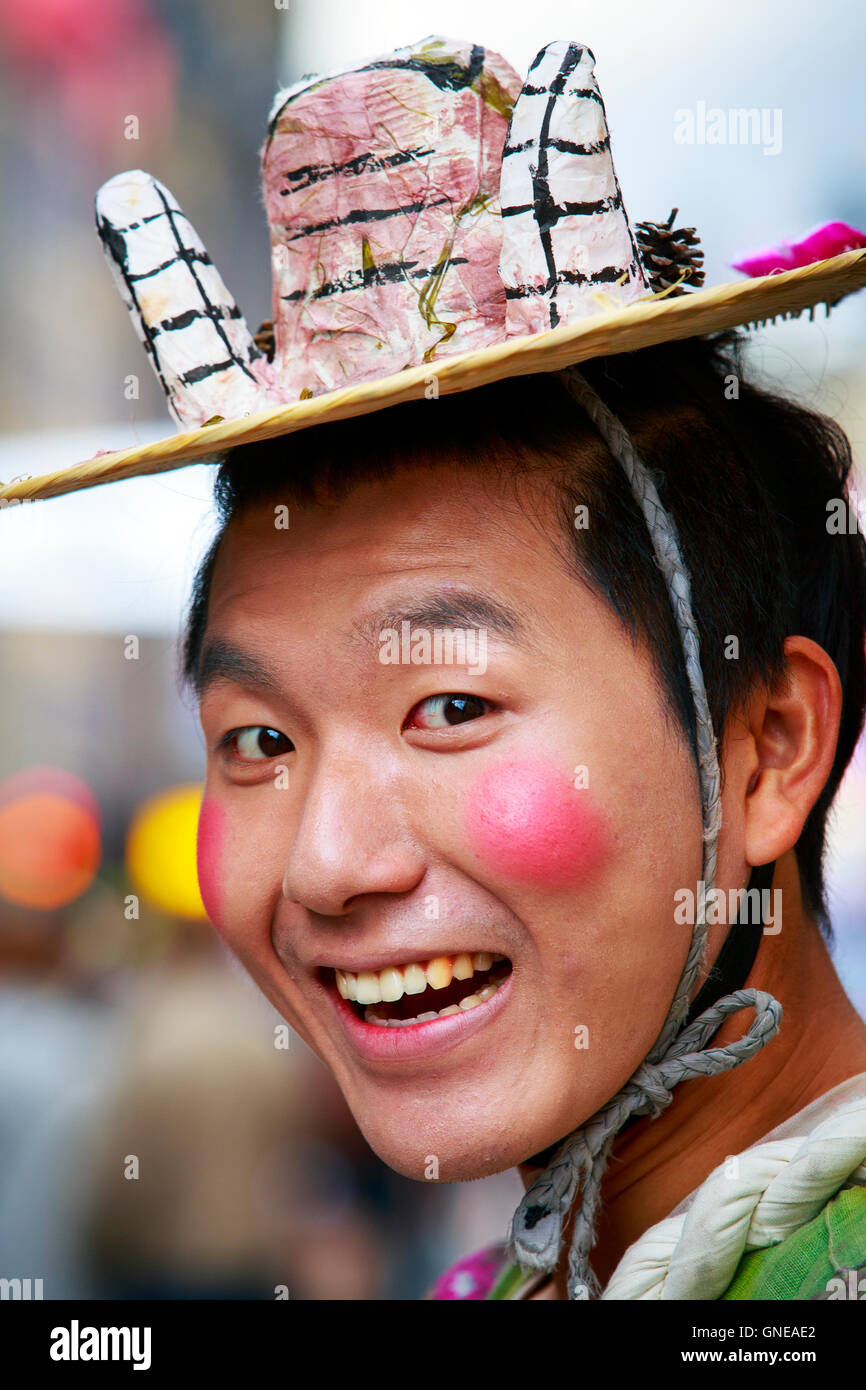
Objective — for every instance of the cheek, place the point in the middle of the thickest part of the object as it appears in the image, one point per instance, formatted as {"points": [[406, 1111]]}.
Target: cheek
{"points": [[527, 822], [209, 853]]}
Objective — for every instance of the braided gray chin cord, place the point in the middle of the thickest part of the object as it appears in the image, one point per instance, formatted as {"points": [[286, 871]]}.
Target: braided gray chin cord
{"points": [[677, 1055]]}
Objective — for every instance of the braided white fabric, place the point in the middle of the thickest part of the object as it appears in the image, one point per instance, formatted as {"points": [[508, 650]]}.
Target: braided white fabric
{"points": [[749, 1202], [580, 1161]]}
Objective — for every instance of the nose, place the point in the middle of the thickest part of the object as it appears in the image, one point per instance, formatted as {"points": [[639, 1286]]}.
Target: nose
{"points": [[353, 838]]}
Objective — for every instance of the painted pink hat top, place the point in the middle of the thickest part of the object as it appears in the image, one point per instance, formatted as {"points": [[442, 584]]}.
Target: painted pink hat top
{"points": [[420, 205]]}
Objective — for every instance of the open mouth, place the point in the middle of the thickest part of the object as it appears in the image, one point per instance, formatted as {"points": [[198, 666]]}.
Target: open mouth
{"points": [[401, 995]]}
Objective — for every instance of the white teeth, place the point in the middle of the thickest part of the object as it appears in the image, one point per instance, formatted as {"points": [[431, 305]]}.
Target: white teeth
{"points": [[392, 982], [374, 1015], [391, 985], [368, 988], [414, 979], [373, 987], [440, 972], [463, 968]]}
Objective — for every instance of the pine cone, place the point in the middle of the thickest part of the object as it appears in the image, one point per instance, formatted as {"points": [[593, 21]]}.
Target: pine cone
{"points": [[669, 254], [264, 339]]}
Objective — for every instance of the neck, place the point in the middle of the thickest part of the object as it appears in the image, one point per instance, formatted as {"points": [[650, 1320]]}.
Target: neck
{"points": [[822, 1041]]}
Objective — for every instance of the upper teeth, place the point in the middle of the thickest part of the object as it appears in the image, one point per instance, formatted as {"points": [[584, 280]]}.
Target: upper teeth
{"points": [[390, 984]]}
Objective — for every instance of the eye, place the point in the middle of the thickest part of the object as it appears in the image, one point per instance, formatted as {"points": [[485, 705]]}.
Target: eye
{"points": [[255, 742], [444, 711]]}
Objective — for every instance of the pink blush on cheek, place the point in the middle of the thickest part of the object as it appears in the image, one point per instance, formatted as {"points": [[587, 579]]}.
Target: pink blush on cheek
{"points": [[209, 850], [528, 822]]}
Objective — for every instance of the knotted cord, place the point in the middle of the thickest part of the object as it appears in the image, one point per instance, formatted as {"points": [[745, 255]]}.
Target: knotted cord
{"points": [[679, 1053]]}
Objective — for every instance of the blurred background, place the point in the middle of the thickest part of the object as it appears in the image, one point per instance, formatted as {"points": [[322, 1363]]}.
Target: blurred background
{"points": [[126, 1032]]}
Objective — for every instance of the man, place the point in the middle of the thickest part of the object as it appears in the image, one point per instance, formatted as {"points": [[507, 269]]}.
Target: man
{"points": [[366, 819], [460, 660]]}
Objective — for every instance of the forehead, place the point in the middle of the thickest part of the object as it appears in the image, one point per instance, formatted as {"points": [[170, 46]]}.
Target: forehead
{"points": [[304, 606], [423, 525]]}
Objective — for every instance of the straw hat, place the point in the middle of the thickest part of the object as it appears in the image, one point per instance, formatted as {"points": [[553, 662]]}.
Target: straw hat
{"points": [[436, 224]]}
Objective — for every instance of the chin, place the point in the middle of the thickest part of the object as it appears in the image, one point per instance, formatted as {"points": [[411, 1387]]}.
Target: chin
{"points": [[463, 1153]]}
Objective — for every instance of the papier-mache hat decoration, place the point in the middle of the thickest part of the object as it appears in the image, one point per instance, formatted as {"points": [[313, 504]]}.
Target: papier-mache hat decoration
{"points": [[429, 214], [433, 215]]}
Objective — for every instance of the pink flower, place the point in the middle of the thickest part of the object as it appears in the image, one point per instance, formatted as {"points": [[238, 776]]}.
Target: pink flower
{"points": [[819, 244], [471, 1277]]}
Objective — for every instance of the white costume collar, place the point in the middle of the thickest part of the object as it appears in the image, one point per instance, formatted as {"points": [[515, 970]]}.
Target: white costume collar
{"points": [[752, 1200]]}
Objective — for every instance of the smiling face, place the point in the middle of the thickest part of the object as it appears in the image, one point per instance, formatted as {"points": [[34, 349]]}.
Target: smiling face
{"points": [[383, 838]]}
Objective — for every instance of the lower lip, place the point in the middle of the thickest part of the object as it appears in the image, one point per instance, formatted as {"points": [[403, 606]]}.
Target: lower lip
{"points": [[378, 1043]]}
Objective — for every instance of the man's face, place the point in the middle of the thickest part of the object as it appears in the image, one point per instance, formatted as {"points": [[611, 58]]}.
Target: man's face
{"points": [[357, 819]]}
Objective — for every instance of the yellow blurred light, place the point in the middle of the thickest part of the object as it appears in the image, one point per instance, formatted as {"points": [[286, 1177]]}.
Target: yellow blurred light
{"points": [[160, 851]]}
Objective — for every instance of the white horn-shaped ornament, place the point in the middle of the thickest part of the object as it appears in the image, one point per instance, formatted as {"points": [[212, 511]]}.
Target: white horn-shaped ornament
{"points": [[567, 247], [198, 342]]}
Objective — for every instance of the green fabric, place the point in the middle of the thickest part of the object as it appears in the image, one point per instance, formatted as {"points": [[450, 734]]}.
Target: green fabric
{"points": [[510, 1282], [814, 1261]]}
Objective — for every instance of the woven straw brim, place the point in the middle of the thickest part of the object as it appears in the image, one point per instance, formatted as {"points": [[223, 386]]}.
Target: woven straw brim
{"points": [[646, 322]]}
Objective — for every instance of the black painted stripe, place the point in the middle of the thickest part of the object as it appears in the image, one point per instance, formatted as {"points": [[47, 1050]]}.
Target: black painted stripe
{"points": [[389, 274], [191, 315], [573, 147], [562, 146], [213, 308], [554, 212], [114, 230], [587, 93], [546, 211], [362, 215], [186, 255], [518, 149], [115, 245], [308, 174], [447, 76], [207, 369], [151, 217], [113, 241], [542, 54], [609, 275], [517, 209], [142, 222]]}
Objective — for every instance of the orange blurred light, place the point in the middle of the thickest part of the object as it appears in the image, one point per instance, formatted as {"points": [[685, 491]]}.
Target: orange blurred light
{"points": [[49, 849]]}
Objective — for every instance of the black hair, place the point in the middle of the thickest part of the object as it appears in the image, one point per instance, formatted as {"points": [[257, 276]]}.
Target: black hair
{"points": [[748, 476]]}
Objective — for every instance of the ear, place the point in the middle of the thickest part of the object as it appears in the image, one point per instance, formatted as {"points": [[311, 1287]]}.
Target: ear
{"points": [[790, 750]]}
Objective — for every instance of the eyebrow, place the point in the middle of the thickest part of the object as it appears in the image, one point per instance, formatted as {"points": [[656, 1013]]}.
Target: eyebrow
{"points": [[463, 608], [222, 660]]}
